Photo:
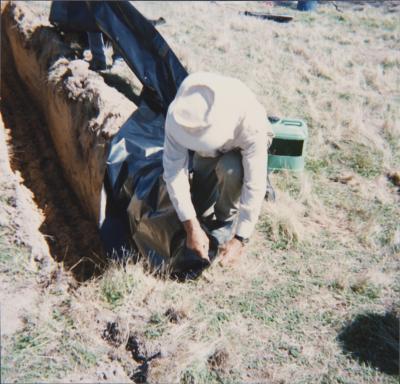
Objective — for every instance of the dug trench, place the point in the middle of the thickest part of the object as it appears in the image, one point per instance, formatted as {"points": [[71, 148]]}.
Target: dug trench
{"points": [[60, 117], [72, 236]]}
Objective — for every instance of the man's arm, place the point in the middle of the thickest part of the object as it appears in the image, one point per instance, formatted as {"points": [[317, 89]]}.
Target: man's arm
{"points": [[176, 176], [254, 140], [254, 158], [252, 195]]}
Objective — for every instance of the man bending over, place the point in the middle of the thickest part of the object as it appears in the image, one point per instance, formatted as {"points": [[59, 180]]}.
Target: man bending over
{"points": [[220, 119]]}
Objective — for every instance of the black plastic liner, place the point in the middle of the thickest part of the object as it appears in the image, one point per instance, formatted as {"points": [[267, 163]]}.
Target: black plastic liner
{"points": [[138, 209], [143, 48]]}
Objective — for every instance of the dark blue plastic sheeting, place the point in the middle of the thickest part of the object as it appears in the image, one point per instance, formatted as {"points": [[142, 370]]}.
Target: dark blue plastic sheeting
{"points": [[307, 5], [73, 16], [136, 187], [144, 50], [136, 152]]}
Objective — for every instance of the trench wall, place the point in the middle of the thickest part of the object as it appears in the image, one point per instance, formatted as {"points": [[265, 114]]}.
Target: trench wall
{"points": [[82, 112]]}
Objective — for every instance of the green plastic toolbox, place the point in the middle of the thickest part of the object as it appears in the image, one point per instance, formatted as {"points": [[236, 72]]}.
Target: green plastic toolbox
{"points": [[288, 147]]}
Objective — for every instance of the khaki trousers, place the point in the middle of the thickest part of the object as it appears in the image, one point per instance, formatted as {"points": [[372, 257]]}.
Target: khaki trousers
{"points": [[217, 184]]}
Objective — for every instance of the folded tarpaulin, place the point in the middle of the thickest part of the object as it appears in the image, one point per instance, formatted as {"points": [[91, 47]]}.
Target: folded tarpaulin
{"points": [[144, 50], [138, 41]]}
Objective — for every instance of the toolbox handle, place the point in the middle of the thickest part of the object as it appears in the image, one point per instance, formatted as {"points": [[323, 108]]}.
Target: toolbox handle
{"points": [[292, 122]]}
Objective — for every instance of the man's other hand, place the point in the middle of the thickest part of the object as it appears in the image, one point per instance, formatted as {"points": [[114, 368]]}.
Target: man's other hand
{"points": [[197, 240], [231, 252]]}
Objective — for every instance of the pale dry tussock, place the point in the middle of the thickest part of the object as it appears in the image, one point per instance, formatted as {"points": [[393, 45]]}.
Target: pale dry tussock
{"points": [[284, 216], [296, 219]]}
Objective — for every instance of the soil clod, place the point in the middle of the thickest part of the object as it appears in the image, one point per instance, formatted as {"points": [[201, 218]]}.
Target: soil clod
{"points": [[137, 348], [140, 355], [175, 316], [112, 334], [394, 177], [219, 360]]}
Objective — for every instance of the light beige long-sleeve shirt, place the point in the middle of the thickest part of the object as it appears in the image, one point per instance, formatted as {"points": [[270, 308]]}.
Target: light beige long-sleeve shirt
{"points": [[240, 123]]}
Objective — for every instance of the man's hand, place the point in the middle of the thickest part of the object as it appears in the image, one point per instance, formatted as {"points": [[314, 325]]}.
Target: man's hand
{"points": [[231, 252], [196, 239]]}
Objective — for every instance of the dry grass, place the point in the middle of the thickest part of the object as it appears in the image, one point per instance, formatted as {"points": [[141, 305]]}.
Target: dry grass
{"points": [[324, 253]]}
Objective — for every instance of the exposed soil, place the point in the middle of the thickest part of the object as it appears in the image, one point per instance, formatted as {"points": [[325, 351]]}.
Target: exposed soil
{"points": [[72, 238], [15, 300]]}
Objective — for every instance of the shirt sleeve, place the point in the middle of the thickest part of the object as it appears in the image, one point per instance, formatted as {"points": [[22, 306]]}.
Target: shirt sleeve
{"points": [[176, 176], [256, 137]]}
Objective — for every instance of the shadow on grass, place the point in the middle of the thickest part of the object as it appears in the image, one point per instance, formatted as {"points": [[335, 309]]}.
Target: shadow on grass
{"points": [[373, 339]]}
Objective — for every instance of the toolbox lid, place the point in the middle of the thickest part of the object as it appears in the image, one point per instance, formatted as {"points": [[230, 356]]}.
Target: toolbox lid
{"points": [[290, 129]]}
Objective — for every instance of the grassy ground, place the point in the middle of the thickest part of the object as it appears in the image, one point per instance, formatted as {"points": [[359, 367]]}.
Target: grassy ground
{"points": [[316, 298]]}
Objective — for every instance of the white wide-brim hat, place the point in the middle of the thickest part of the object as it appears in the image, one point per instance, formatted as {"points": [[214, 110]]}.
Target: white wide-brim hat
{"points": [[204, 112]]}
